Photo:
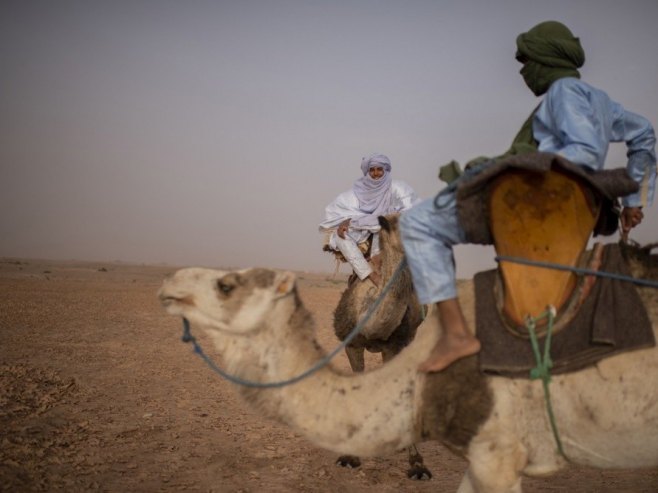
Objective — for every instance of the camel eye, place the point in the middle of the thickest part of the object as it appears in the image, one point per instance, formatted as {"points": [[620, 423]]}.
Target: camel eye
{"points": [[228, 283], [224, 288]]}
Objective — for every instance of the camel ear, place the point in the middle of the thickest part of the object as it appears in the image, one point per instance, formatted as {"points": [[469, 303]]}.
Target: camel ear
{"points": [[284, 283], [388, 222]]}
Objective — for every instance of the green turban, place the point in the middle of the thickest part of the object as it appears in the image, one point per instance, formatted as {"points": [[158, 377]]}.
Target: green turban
{"points": [[548, 51]]}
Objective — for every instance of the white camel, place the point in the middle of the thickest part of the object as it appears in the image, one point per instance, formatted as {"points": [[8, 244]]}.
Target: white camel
{"points": [[606, 414]]}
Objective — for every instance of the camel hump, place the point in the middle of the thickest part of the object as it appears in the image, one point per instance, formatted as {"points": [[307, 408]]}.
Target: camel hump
{"points": [[545, 216]]}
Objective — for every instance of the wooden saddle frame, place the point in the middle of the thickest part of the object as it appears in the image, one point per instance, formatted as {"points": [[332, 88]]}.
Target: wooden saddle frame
{"points": [[545, 217]]}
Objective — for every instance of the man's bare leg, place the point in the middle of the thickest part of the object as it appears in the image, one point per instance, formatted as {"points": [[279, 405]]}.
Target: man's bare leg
{"points": [[456, 340]]}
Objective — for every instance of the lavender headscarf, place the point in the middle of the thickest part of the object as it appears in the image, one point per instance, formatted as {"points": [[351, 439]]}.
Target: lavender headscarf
{"points": [[374, 195]]}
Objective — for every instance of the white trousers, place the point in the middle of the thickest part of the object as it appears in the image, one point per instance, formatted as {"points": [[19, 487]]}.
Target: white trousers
{"points": [[349, 247]]}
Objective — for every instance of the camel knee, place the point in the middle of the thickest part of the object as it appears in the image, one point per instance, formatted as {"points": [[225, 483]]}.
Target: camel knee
{"points": [[500, 477], [472, 484]]}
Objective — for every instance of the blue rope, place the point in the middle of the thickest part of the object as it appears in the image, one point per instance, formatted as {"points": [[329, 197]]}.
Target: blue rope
{"points": [[577, 270], [467, 174], [188, 337]]}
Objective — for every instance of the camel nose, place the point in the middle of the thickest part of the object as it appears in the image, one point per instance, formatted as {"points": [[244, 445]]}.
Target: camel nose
{"points": [[163, 294], [166, 293], [171, 294]]}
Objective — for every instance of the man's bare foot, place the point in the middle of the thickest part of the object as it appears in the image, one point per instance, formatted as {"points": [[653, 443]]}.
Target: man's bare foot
{"points": [[376, 278], [449, 349]]}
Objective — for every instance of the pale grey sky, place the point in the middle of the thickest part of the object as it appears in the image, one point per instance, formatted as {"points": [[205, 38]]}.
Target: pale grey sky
{"points": [[215, 132]]}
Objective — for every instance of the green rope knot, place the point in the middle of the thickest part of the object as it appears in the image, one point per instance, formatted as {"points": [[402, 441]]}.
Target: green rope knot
{"points": [[544, 362]]}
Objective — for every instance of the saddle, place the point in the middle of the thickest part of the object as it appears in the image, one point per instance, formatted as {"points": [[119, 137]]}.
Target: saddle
{"points": [[365, 247], [540, 217], [542, 208]]}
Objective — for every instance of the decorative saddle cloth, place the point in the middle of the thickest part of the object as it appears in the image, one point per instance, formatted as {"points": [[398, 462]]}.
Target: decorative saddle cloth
{"points": [[611, 320]]}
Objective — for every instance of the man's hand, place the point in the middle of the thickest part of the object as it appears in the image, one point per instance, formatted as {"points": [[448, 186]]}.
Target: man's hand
{"points": [[343, 227], [630, 217]]}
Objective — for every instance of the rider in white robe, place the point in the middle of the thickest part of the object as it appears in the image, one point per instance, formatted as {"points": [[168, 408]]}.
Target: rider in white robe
{"points": [[352, 216]]}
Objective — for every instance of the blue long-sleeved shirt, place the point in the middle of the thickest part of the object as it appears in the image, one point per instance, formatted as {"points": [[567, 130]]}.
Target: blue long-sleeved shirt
{"points": [[578, 122]]}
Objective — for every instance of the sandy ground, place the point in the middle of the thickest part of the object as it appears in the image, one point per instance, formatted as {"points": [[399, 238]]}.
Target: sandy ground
{"points": [[98, 393]]}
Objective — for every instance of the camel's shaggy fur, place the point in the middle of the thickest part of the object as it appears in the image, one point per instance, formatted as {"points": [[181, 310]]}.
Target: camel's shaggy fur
{"points": [[606, 414], [394, 323], [643, 264]]}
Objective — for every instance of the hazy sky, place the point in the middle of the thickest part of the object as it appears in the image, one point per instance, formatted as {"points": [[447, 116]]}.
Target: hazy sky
{"points": [[215, 132]]}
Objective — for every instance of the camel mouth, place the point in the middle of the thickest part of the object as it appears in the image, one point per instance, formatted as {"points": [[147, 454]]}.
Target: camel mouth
{"points": [[168, 300], [171, 301]]}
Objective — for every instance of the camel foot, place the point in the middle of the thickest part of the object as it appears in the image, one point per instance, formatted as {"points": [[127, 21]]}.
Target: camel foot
{"points": [[419, 473], [351, 461], [448, 350], [417, 469]]}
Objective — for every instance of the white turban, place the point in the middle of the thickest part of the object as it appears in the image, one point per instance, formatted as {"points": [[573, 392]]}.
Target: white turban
{"points": [[375, 160], [374, 195]]}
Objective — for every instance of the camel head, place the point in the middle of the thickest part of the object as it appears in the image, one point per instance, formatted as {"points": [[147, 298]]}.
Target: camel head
{"points": [[643, 264], [238, 302]]}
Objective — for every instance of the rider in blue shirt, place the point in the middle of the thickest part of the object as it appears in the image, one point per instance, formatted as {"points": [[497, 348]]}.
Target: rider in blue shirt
{"points": [[576, 121]]}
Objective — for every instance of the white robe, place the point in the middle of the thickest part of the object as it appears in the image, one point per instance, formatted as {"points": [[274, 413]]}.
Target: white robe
{"points": [[362, 224]]}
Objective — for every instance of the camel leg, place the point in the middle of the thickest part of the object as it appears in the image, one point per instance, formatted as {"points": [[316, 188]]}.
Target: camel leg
{"points": [[472, 485], [417, 469], [355, 355], [466, 486], [351, 461], [389, 352], [495, 466]]}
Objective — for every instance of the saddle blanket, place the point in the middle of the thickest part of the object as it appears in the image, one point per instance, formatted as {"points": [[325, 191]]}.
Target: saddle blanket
{"points": [[611, 320]]}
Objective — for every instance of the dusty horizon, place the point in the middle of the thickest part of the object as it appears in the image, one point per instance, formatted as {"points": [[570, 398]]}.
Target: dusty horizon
{"points": [[215, 133]]}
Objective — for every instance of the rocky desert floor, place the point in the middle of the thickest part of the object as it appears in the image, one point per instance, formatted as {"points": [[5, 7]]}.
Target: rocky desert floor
{"points": [[98, 393]]}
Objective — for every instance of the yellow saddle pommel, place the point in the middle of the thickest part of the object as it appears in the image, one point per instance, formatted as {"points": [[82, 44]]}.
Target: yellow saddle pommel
{"points": [[541, 216]]}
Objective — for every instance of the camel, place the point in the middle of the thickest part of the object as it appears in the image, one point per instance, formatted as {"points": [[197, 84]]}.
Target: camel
{"points": [[392, 326], [394, 323], [642, 263], [606, 414]]}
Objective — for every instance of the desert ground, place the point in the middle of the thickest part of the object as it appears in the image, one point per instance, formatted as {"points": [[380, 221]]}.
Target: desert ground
{"points": [[99, 393]]}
